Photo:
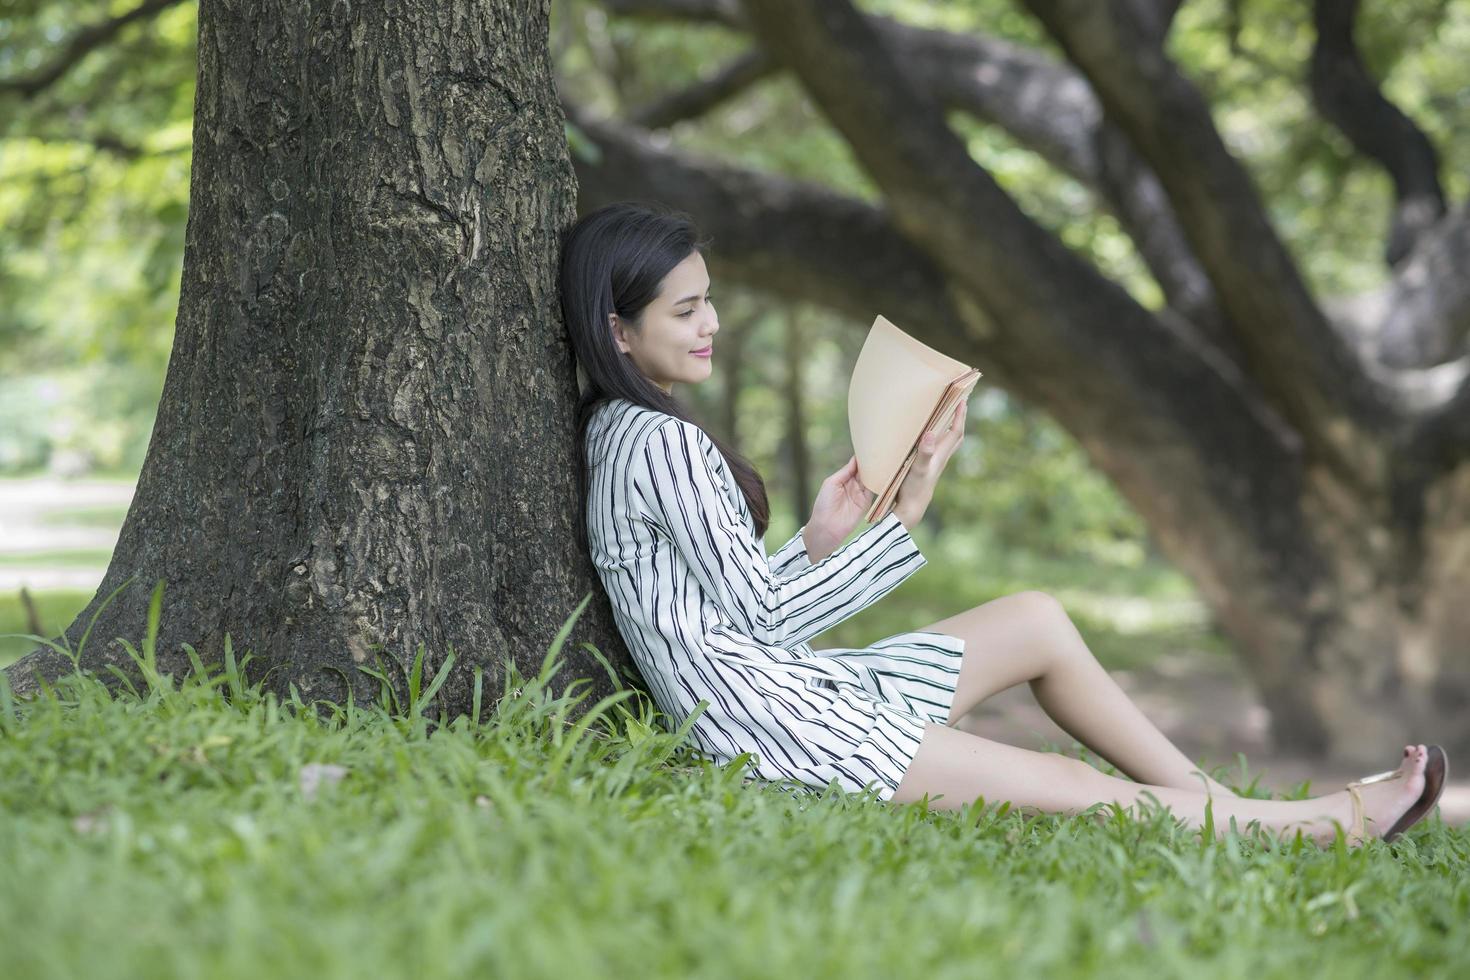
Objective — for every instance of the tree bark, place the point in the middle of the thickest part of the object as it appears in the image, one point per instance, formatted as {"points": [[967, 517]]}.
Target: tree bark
{"points": [[365, 443]]}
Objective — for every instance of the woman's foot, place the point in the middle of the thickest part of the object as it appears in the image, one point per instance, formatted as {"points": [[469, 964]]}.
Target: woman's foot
{"points": [[1384, 800]]}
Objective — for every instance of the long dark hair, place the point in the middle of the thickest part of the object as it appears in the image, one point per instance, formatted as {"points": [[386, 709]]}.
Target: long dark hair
{"points": [[614, 260]]}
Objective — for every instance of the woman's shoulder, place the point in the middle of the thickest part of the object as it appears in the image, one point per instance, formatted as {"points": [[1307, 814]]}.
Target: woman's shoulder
{"points": [[627, 425], [619, 412]]}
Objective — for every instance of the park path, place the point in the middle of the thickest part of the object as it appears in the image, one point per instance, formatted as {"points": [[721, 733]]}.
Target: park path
{"points": [[1204, 704], [32, 520]]}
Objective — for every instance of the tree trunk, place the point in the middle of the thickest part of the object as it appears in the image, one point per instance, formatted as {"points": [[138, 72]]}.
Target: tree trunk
{"points": [[732, 377], [801, 463], [365, 442], [1356, 643]]}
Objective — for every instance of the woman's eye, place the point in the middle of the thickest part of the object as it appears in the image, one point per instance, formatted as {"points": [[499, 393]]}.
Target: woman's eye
{"points": [[707, 299]]}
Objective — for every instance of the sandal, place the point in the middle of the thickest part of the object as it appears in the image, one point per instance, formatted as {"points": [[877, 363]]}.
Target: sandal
{"points": [[1436, 770]]}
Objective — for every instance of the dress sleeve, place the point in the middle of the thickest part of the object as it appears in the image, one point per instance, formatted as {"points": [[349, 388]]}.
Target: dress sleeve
{"points": [[791, 557], [682, 496]]}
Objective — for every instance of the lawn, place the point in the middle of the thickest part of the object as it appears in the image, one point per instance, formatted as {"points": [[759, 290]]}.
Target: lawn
{"points": [[203, 829]]}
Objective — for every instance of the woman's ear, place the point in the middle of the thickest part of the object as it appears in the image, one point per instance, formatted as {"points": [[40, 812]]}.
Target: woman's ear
{"points": [[617, 331]]}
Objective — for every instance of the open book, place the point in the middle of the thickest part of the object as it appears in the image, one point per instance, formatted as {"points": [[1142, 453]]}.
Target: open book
{"points": [[900, 389]]}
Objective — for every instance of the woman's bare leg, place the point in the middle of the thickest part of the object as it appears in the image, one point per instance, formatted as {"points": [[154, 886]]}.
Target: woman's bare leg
{"points": [[1028, 636], [956, 768]]}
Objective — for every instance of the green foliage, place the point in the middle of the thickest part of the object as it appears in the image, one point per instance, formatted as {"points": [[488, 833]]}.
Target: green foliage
{"points": [[1329, 203], [209, 828], [94, 183]]}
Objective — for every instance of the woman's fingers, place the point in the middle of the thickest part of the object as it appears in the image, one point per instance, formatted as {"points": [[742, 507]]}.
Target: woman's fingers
{"points": [[932, 460], [845, 475], [956, 430]]}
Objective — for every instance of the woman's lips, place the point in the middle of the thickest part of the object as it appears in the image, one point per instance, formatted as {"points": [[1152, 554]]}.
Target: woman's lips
{"points": [[704, 351]]}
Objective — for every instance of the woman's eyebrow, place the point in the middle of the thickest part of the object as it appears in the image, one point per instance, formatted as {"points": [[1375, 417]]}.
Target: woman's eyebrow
{"points": [[688, 299]]}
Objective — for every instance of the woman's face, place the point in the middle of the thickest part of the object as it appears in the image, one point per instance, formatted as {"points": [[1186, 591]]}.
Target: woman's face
{"points": [[680, 320]]}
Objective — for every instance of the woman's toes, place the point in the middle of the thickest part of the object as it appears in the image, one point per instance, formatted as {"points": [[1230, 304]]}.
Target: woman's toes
{"points": [[1384, 802]]}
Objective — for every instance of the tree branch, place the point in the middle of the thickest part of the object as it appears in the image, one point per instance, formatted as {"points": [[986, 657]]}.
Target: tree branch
{"points": [[1143, 398], [1441, 441], [82, 43], [701, 97], [1156, 16], [725, 12], [1049, 108], [805, 242], [1424, 314], [1307, 368], [1111, 351], [1349, 97]]}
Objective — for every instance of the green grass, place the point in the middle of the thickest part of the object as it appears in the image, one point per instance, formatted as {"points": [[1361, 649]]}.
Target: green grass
{"points": [[169, 834]]}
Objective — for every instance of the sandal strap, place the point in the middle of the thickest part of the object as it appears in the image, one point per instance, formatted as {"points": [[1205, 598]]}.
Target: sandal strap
{"points": [[1359, 833], [1380, 777]]}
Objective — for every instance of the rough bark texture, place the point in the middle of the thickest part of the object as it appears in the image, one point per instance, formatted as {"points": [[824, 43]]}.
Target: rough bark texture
{"points": [[365, 440], [1305, 462]]}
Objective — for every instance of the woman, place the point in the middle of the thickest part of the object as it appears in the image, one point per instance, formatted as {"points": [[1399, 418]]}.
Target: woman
{"points": [[675, 522]]}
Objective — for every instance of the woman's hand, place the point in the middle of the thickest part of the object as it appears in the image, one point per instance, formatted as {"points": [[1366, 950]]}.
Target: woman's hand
{"points": [[933, 455], [841, 503]]}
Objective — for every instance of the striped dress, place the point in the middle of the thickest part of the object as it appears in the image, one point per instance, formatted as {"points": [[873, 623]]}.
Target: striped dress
{"points": [[709, 618]]}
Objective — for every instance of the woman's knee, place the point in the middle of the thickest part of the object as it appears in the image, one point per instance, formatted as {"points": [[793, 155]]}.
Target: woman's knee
{"points": [[1040, 617], [1048, 618], [1043, 606]]}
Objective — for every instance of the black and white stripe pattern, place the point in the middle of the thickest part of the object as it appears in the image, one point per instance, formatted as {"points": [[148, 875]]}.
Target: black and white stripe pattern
{"points": [[708, 617]]}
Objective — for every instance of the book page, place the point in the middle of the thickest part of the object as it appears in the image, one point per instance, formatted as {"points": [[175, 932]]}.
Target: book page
{"points": [[898, 387]]}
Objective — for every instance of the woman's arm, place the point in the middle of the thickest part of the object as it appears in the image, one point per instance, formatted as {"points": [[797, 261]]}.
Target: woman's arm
{"points": [[682, 495], [793, 556]]}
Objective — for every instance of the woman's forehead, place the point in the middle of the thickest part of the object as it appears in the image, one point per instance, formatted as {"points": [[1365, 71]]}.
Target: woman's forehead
{"points": [[688, 278]]}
